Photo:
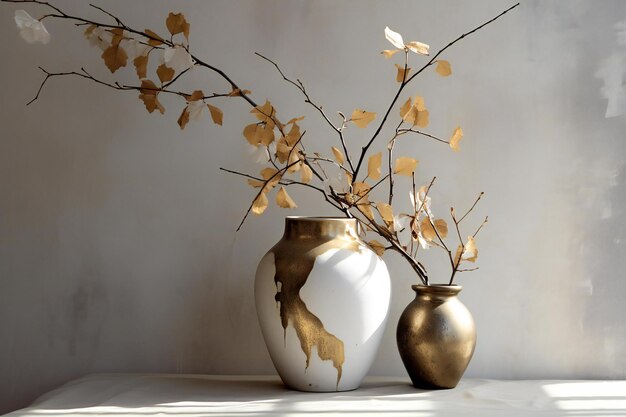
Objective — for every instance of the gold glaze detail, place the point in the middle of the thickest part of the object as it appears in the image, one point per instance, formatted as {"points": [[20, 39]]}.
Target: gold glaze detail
{"points": [[436, 337], [304, 240]]}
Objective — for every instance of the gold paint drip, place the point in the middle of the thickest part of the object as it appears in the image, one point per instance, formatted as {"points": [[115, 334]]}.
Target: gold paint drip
{"points": [[304, 240]]}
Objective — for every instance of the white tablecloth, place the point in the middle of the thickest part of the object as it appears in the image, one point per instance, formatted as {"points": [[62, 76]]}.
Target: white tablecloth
{"points": [[238, 396]]}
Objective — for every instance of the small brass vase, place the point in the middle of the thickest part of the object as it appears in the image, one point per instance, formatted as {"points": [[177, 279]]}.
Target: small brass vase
{"points": [[436, 337]]}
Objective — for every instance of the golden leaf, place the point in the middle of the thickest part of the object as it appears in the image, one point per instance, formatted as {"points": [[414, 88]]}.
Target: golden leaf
{"points": [[141, 66], [153, 38], [366, 209], [236, 92], [256, 134], [362, 118], [260, 204], [282, 150], [176, 23], [249, 132], [165, 73], [268, 173], [89, 31], [455, 140], [405, 166], [148, 94], [115, 57], [386, 212], [338, 155], [377, 247], [265, 113], [196, 95], [306, 175], [458, 255], [294, 163], [402, 73], [422, 118], [470, 252], [418, 47], [443, 68], [404, 110], [442, 227], [283, 200], [390, 52], [294, 135], [216, 114], [256, 183], [183, 119], [419, 103], [373, 166], [429, 232], [361, 188], [294, 120]]}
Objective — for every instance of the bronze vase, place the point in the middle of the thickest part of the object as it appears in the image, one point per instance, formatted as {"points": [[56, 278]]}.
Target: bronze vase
{"points": [[436, 337]]}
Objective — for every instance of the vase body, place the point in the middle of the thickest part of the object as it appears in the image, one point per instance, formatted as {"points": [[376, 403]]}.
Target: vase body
{"points": [[436, 337], [322, 299]]}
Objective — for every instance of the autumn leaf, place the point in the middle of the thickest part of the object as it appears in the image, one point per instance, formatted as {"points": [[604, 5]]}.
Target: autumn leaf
{"points": [[396, 40], [216, 114], [338, 155], [153, 38], [141, 66], [422, 119], [402, 73], [294, 135], [455, 140], [362, 118], [386, 212], [176, 23], [260, 204], [418, 47], [405, 166], [282, 150], [294, 161], [388, 53], [377, 247], [443, 68], [373, 166], [236, 92], [268, 173], [361, 189], [165, 73], [256, 134], [265, 113], [283, 200], [183, 119], [428, 231], [306, 175], [416, 113], [366, 209], [115, 57], [470, 252], [148, 94], [256, 183]]}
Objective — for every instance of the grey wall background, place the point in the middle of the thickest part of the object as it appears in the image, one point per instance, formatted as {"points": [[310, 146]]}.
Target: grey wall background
{"points": [[117, 243]]}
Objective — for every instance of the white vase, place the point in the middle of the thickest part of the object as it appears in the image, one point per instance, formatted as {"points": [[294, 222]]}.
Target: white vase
{"points": [[322, 298]]}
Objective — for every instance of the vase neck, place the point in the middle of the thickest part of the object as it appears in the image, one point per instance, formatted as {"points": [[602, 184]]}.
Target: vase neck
{"points": [[320, 228], [436, 291]]}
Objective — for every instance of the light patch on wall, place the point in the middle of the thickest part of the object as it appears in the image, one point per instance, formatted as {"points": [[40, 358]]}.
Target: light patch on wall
{"points": [[612, 71]]}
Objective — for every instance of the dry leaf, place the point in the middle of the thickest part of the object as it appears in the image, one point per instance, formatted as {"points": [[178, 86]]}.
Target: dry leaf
{"points": [[418, 47], [267, 173], [176, 23], [362, 118], [306, 175], [429, 232], [141, 66], [256, 134], [265, 113], [404, 110], [390, 52], [361, 188], [455, 140], [443, 68], [256, 183], [115, 57], [457, 255], [183, 119], [282, 150], [238, 93], [148, 94], [283, 200], [405, 166], [394, 38], [165, 73], [294, 135], [366, 209], [338, 155], [377, 247], [373, 166], [260, 204], [294, 120], [422, 118], [293, 162], [386, 212], [470, 252], [153, 38], [216, 114], [402, 73]]}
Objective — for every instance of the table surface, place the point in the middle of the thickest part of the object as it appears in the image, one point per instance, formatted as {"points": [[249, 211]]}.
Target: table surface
{"points": [[238, 396]]}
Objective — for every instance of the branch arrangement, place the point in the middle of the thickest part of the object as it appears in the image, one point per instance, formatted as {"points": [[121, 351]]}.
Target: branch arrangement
{"points": [[337, 177]]}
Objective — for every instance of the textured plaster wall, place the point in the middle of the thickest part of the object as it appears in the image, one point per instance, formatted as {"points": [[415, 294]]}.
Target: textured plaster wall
{"points": [[117, 243]]}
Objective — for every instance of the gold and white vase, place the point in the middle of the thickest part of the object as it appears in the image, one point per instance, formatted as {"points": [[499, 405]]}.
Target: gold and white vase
{"points": [[322, 298]]}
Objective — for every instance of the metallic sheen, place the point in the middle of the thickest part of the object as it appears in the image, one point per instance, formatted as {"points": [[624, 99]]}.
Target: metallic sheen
{"points": [[436, 337], [304, 240]]}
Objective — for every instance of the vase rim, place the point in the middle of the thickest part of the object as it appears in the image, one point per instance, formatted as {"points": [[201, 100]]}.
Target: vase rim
{"points": [[303, 227], [320, 218], [439, 289]]}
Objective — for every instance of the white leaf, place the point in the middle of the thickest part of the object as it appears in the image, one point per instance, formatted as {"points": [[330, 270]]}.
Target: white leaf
{"points": [[31, 29], [259, 153], [133, 48], [195, 109], [418, 47], [177, 58], [100, 38], [394, 37]]}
